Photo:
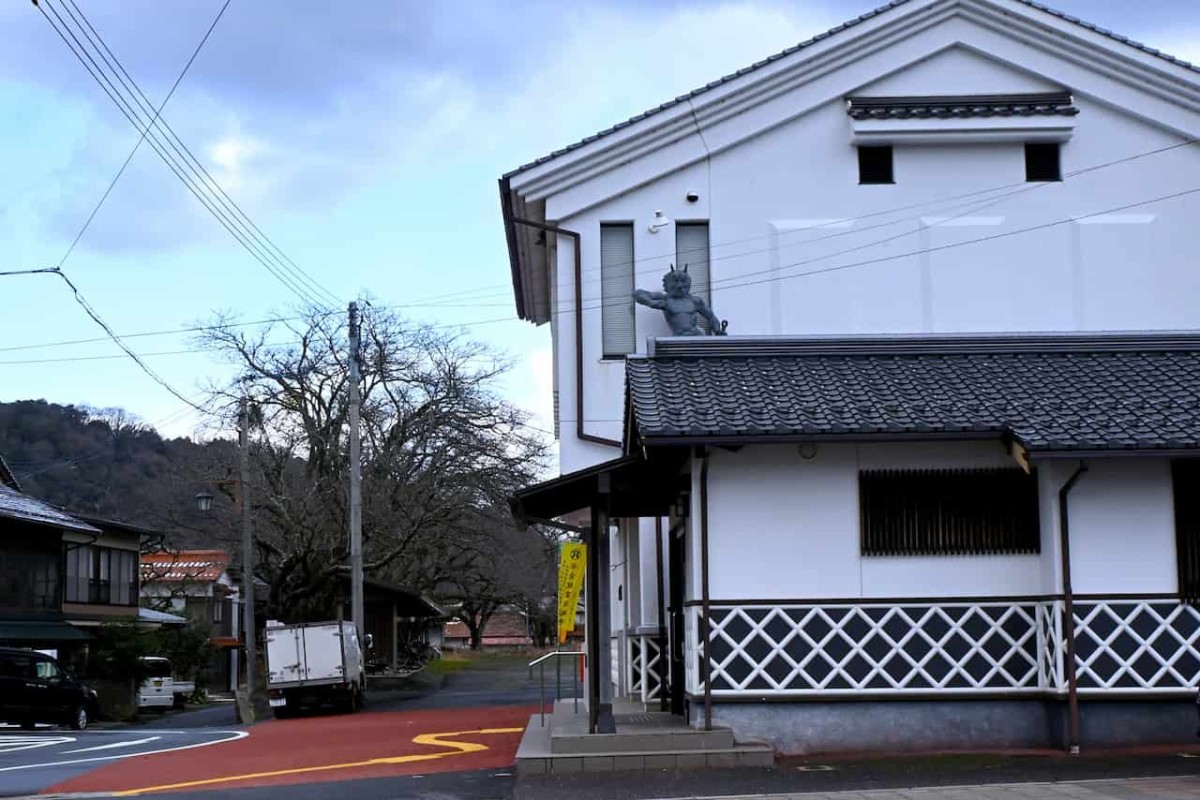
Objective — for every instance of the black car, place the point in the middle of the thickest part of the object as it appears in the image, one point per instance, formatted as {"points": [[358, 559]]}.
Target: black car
{"points": [[34, 688]]}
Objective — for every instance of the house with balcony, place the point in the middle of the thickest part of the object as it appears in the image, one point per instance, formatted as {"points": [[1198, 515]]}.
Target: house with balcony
{"points": [[33, 536], [929, 476]]}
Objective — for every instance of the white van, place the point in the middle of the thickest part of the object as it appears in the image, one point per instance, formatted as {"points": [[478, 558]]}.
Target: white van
{"points": [[158, 690]]}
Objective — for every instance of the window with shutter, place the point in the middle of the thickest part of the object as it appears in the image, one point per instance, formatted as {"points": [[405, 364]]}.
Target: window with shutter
{"points": [[691, 251], [616, 289], [948, 512]]}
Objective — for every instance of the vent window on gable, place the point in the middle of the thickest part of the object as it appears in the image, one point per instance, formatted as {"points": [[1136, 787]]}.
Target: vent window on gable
{"points": [[1043, 162], [875, 164], [1040, 122]]}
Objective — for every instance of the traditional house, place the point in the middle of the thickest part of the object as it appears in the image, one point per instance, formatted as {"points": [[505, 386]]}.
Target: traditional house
{"points": [[197, 585], [32, 535], [937, 486]]}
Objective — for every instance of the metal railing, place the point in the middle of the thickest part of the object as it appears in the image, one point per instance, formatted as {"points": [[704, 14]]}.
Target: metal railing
{"points": [[557, 656]]}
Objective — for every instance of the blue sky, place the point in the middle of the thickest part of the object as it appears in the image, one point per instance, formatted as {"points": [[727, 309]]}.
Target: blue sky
{"points": [[365, 138]]}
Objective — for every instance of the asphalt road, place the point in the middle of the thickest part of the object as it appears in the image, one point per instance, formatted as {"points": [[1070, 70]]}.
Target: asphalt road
{"points": [[453, 743], [31, 761]]}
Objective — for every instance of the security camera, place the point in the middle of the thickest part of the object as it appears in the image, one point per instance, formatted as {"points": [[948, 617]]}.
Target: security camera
{"points": [[692, 196]]}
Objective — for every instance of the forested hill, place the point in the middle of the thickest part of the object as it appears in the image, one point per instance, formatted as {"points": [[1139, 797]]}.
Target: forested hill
{"points": [[108, 463]]}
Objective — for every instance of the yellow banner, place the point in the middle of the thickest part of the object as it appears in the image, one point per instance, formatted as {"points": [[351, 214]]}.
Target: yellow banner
{"points": [[572, 564]]}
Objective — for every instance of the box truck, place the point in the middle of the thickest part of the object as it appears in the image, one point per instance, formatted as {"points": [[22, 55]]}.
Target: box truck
{"points": [[314, 663]]}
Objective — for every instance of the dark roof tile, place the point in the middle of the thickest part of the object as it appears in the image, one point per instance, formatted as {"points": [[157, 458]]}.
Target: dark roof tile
{"points": [[1139, 393]]}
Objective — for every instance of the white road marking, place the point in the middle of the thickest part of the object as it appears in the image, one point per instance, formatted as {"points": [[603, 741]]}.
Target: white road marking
{"points": [[114, 745], [230, 736], [13, 744]]}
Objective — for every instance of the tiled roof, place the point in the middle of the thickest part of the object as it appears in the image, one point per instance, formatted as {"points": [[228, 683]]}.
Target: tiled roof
{"points": [[17, 506], [821, 37], [185, 565], [1051, 393], [505, 627], [962, 106], [6, 476]]}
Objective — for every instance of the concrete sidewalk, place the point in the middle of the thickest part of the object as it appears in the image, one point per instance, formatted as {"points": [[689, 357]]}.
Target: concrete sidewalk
{"points": [[1170, 788]]}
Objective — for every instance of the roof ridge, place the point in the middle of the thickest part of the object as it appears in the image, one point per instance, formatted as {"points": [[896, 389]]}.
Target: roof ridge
{"points": [[670, 348], [683, 98]]}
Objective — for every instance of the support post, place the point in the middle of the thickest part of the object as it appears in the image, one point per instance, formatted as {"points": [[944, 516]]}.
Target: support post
{"points": [[356, 565], [1064, 532], [663, 657], [247, 547], [599, 617], [705, 618]]}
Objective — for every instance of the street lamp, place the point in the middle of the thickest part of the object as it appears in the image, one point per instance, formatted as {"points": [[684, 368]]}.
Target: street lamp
{"points": [[204, 502]]}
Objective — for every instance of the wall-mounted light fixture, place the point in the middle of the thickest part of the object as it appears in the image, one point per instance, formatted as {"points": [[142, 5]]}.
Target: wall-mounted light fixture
{"points": [[660, 221]]}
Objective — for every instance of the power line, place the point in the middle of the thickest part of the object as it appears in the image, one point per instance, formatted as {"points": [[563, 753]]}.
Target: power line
{"points": [[168, 148], [157, 112], [91, 312], [204, 175]]}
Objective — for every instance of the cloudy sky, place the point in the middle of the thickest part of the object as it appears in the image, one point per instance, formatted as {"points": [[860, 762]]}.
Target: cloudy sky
{"points": [[364, 138]]}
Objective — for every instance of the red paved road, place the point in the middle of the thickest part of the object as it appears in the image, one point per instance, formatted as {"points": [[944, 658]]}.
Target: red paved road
{"points": [[328, 748]]}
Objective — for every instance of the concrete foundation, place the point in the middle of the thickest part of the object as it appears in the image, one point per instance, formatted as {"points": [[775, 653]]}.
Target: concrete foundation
{"points": [[895, 726]]}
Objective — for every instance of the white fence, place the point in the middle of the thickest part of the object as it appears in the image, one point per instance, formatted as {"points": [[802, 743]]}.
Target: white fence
{"points": [[962, 647]]}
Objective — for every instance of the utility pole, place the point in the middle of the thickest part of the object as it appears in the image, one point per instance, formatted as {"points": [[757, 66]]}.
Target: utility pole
{"points": [[356, 563], [247, 548]]}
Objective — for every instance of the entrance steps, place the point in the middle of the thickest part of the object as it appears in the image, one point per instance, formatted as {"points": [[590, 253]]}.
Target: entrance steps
{"points": [[645, 740]]}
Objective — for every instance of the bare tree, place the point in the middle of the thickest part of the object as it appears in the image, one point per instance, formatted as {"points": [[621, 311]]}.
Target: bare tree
{"points": [[438, 444]]}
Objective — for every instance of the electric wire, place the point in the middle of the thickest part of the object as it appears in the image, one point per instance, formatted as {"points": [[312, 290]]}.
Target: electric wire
{"points": [[176, 161], [199, 170], [141, 138]]}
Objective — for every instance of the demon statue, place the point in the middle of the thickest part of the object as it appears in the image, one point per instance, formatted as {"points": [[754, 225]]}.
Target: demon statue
{"points": [[680, 306]]}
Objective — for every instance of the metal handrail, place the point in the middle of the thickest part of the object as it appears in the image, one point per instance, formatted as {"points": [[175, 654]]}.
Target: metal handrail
{"points": [[554, 653], [540, 663]]}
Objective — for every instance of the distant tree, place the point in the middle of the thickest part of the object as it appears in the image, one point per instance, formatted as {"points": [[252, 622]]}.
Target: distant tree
{"points": [[438, 445]]}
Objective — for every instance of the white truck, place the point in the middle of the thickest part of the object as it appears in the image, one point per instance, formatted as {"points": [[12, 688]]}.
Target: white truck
{"points": [[314, 663]]}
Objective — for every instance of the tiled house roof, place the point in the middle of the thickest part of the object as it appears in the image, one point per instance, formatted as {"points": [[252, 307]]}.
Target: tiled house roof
{"points": [[202, 566], [504, 628], [7, 478], [1053, 393], [23, 508], [961, 107]]}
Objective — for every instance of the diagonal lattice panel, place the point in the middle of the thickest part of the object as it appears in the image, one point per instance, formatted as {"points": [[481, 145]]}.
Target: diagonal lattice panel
{"points": [[876, 648], [1137, 645]]}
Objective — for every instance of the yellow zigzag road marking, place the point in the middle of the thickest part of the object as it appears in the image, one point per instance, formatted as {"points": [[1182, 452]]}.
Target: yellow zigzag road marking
{"points": [[431, 739]]}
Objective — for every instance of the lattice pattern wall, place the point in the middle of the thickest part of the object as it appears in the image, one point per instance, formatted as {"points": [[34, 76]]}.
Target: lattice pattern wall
{"points": [[951, 647], [1148, 645], [646, 666]]}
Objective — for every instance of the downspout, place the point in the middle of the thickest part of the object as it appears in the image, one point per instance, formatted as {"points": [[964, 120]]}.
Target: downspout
{"points": [[663, 657], [575, 237], [1064, 532], [705, 624]]}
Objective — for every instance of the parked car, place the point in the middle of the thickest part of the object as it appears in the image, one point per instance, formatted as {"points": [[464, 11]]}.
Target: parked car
{"points": [[161, 689], [34, 688]]}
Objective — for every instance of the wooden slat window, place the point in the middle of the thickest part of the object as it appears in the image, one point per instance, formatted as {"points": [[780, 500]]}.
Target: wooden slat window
{"points": [[948, 512], [1185, 481]]}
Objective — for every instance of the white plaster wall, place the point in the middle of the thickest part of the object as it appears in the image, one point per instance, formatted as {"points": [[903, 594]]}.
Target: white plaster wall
{"points": [[782, 263], [1122, 528], [784, 527]]}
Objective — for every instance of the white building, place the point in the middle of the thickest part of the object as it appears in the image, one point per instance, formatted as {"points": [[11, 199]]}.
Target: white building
{"points": [[956, 245]]}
